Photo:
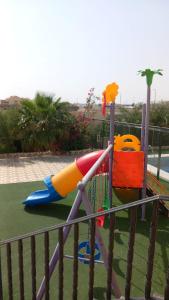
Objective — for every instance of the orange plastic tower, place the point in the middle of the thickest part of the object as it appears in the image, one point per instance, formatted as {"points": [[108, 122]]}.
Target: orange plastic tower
{"points": [[128, 169]]}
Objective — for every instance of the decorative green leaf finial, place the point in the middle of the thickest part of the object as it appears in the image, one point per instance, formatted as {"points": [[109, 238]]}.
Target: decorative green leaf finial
{"points": [[149, 75]]}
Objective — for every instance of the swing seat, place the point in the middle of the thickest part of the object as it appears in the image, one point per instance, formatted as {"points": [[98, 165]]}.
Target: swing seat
{"points": [[100, 220], [84, 252]]}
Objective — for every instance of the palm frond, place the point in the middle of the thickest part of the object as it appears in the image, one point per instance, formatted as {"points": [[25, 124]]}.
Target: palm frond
{"points": [[159, 72], [141, 72]]}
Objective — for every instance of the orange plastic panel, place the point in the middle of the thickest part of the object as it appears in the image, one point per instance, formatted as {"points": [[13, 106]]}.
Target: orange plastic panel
{"points": [[128, 169]]}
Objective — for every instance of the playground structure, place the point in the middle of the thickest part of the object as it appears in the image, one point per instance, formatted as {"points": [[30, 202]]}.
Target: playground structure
{"points": [[125, 161], [125, 165]]}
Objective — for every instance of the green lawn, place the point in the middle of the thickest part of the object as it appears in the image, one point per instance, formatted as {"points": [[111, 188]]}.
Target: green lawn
{"points": [[15, 220]]}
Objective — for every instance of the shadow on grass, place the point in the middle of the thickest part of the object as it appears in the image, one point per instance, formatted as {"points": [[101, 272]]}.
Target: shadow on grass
{"points": [[54, 210], [99, 293]]}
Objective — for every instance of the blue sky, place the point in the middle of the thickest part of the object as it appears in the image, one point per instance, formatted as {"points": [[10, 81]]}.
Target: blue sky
{"points": [[66, 47]]}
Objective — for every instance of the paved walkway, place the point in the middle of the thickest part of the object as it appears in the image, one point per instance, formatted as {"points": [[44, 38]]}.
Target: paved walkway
{"points": [[26, 169], [163, 174]]}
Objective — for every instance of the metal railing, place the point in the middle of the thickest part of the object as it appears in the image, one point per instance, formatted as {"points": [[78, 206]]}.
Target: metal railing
{"points": [[111, 213]]}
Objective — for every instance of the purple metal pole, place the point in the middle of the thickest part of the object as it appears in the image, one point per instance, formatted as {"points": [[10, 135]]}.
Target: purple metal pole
{"points": [[55, 255], [111, 141], [147, 120], [143, 126], [147, 127], [89, 210], [143, 190], [72, 216]]}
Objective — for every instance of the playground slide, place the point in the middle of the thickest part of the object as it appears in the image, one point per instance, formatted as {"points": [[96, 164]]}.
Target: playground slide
{"points": [[61, 184], [155, 187]]}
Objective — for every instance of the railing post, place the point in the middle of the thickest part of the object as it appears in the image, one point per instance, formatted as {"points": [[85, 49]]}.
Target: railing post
{"points": [[21, 272], [60, 264], [33, 266], [46, 247], [166, 292], [151, 250], [110, 256], [1, 289], [91, 263], [133, 220], [9, 268], [75, 262]]}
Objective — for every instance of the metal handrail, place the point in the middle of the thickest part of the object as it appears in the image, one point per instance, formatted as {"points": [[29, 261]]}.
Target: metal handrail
{"points": [[89, 217], [135, 125]]}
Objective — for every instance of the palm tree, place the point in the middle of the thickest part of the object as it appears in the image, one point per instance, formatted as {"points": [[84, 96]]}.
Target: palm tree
{"points": [[42, 121], [150, 74], [149, 79]]}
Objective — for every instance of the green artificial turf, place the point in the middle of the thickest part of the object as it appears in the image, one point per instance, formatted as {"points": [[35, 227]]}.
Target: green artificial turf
{"points": [[15, 220]]}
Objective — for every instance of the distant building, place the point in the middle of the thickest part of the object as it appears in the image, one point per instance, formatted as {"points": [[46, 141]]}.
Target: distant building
{"points": [[11, 102]]}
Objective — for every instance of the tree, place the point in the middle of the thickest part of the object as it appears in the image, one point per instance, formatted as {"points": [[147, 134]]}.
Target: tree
{"points": [[159, 114], [132, 115], [43, 121], [9, 132], [90, 102]]}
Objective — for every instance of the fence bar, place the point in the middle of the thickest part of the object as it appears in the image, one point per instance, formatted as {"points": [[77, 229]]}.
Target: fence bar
{"points": [[135, 125], [1, 289], [9, 268], [130, 255], [112, 129], [46, 248], [151, 250], [110, 256], [21, 272], [60, 264], [166, 292], [91, 263], [33, 266], [75, 262]]}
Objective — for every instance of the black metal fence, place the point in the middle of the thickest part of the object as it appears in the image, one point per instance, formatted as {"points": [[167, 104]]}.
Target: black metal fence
{"points": [[14, 283], [157, 135]]}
